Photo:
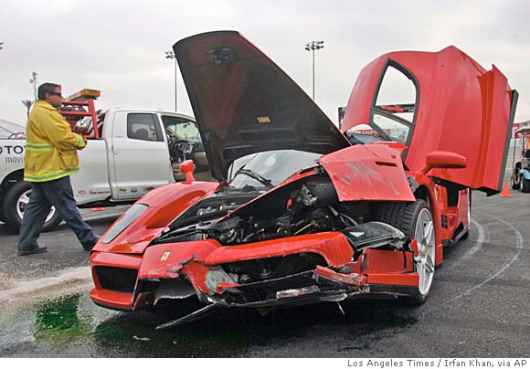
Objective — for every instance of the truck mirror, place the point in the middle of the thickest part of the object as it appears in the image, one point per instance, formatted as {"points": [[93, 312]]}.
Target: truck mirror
{"points": [[188, 167]]}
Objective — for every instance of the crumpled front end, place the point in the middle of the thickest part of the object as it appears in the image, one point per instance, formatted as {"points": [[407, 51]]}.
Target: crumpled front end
{"points": [[304, 269]]}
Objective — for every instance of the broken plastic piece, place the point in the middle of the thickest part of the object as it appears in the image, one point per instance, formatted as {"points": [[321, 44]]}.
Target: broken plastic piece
{"points": [[294, 292], [352, 279], [197, 314]]}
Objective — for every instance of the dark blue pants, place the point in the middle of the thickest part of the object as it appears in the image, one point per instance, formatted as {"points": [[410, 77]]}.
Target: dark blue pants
{"points": [[59, 194]]}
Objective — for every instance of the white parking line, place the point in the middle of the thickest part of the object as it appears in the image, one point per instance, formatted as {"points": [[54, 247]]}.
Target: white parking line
{"points": [[69, 278], [519, 248], [482, 237]]}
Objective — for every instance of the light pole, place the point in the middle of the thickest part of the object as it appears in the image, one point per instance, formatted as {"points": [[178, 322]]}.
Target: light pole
{"points": [[27, 104], [33, 80], [171, 55], [313, 46]]}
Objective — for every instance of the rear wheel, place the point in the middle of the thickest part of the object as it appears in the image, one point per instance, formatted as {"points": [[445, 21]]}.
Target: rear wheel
{"points": [[416, 222], [516, 183], [525, 185], [16, 200], [465, 236]]}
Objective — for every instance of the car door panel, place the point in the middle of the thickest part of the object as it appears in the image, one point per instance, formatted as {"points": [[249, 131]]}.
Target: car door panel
{"points": [[462, 108]]}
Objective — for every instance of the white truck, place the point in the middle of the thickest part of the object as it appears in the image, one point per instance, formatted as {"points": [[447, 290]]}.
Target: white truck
{"points": [[132, 152]]}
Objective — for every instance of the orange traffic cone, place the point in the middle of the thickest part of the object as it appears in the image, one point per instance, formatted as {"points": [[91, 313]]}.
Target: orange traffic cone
{"points": [[506, 190]]}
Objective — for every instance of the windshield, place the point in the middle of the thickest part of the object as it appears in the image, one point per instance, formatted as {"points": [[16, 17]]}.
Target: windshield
{"points": [[269, 168], [362, 138]]}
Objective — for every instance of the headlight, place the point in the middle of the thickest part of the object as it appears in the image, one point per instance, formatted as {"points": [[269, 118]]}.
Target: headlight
{"points": [[128, 217]]}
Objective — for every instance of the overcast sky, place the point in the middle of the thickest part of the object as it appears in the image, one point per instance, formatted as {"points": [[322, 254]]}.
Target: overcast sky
{"points": [[118, 46]]}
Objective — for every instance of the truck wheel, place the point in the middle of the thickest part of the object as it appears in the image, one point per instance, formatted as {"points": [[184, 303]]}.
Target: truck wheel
{"points": [[525, 185], [415, 221], [16, 199]]}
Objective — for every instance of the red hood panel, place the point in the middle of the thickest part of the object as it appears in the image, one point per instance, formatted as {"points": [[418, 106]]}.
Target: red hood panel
{"points": [[368, 172], [462, 109]]}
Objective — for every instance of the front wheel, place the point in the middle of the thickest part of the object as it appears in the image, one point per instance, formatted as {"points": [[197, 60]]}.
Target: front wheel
{"points": [[416, 222], [424, 261], [16, 200]]}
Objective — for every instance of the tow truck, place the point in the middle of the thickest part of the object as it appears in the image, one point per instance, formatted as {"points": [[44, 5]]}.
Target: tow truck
{"points": [[129, 152]]}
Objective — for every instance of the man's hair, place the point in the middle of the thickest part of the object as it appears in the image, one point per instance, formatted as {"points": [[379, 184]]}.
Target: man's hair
{"points": [[46, 88]]}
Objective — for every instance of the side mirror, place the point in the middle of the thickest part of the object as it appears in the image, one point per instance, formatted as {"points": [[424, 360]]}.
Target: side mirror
{"points": [[188, 167], [443, 159]]}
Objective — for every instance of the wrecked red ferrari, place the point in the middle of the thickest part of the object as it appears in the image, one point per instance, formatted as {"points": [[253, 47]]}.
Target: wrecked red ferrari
{"points": [[302, 212]]}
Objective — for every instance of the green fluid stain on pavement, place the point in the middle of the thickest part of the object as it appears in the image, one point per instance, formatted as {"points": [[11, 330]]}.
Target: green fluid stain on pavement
{"points": [[57, 320], [64, 324], [73, 324]]}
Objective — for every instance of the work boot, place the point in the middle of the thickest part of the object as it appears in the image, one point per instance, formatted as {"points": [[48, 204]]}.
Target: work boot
{"points": [[90, 245], [37, 250]]}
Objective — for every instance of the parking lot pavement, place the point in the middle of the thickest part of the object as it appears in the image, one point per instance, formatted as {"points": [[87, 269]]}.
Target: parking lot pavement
{"points": [[64, 265]]}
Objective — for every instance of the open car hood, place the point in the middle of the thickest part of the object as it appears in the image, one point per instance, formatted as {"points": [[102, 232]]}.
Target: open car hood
{"points": [[244, 103]]}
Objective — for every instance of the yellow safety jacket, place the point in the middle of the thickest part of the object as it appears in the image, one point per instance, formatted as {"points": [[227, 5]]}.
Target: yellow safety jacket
{"points": [[51, 146]]}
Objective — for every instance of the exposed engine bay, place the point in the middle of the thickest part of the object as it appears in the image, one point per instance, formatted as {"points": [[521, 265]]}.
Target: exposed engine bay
{"points": [[307, 206]]}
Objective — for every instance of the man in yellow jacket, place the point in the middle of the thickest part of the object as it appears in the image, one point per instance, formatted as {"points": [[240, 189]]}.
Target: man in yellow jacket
{"points": [[50, 158]]}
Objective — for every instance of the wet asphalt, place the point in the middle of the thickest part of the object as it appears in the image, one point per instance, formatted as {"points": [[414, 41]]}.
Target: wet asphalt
{"points": [[479, 307]]}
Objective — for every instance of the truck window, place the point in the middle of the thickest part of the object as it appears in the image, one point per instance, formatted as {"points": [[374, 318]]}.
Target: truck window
{"points": [[181, 128], [143, 126]]}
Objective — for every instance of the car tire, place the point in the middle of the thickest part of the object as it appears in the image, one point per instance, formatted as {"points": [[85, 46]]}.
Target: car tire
{"points": [[465, 236], [12, 208], [515, 183], [525, 185], [414, 219]]}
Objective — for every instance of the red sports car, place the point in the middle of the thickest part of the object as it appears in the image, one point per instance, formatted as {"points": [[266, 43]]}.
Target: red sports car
{"points": [[302, 212]]}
